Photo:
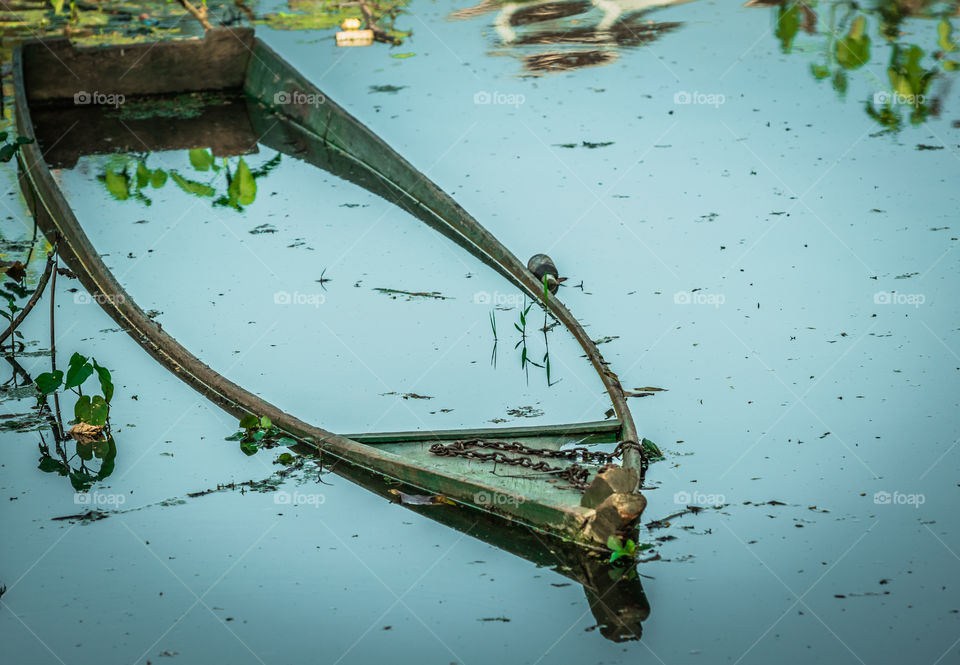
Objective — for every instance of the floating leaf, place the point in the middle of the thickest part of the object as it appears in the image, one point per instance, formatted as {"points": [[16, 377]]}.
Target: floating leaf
{"points": [[86, 433], [266, 423], [286, 459], [249, 421]]}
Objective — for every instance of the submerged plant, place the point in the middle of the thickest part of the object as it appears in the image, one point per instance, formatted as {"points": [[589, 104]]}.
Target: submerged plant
{"points": [[259, 432]]}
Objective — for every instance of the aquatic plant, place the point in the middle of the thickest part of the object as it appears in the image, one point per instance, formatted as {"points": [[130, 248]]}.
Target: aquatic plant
{"points": [[9, 146], [258, 432], [625, 550]]}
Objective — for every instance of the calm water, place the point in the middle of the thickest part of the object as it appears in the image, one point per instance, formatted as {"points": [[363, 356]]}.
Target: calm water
{"points": [[755, 241]]}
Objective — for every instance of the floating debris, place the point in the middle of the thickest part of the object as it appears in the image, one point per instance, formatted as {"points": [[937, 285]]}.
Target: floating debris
{"points": [[436, 295]]}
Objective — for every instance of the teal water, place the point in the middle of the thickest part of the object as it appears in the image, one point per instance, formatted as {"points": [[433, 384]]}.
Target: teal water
{"points": [[771, 254]]}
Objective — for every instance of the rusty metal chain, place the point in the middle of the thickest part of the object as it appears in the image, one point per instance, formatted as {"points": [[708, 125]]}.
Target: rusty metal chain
{"points": [[573, 474]]}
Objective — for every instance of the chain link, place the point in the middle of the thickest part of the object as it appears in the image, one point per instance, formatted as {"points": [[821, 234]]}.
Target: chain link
{"points": [[574, 474]]}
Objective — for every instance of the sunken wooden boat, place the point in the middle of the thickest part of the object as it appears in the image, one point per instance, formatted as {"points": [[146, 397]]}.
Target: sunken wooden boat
{"points": [[603, 501]]}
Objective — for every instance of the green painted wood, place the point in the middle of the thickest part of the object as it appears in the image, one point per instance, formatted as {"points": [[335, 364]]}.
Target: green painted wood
{"points": [[604, 431]]}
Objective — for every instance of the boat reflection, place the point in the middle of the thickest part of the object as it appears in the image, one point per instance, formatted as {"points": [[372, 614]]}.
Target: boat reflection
{"points": [[614, 594], [581, 33]]}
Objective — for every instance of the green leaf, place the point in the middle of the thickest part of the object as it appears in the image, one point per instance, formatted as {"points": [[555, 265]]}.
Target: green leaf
{"points": [[106, 383], [201, 159], [118, 184], [158, 178], [266, 423], [840, 81], [243, 186], [819, 72], [192, 187], [49, 465], [853, 51], [7, 151], [267, 167], [22, 140], [143, 175], [48, 382], [788, 23], [943, 33], [77, 374], [76, 360], [81, 481], [84, 451], [99, 410], [249, 448], [109, 460], [249, 421], [81, 410], [286, 459], [4, 135], [652, 450], [613, 543]]}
